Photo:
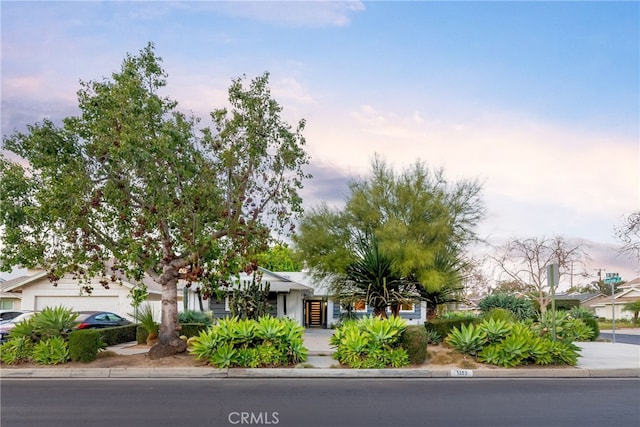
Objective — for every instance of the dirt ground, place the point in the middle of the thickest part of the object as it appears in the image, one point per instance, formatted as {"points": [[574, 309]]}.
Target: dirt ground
{"points": [[439, 357]]}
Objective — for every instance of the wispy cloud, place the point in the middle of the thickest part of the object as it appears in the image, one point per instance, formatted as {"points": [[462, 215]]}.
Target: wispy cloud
{"points": [[301, 13]]}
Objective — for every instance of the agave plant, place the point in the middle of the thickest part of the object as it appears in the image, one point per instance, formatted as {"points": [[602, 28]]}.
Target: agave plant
{"points": [[495, 330], [467, 339], [53, 322]]}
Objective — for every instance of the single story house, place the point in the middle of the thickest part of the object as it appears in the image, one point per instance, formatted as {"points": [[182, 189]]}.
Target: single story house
{"points": [[292, 294], [605, 306]]}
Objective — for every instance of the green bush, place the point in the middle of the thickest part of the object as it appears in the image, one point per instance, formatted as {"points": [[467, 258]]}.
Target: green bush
{"points": [[433, 337], [371, 342], [498, 313], [193, 316], [594, 326], [193, 329], [521, 308], [414, 339], [51, 351], [84, 345], [561, 304], [141, 334], [266, 342], [118, 334], [53, 322], [468, 339], [444, 326], [16, 350]]}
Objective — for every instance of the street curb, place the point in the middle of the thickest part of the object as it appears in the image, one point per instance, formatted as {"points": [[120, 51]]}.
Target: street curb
{"points": [[237, 373]]}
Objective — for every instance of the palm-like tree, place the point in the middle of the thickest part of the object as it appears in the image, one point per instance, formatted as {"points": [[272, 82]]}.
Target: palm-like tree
{"points": [[634, 307]]}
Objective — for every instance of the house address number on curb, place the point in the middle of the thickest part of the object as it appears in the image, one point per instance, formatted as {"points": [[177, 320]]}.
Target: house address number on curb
{"points": [[461, 373]]}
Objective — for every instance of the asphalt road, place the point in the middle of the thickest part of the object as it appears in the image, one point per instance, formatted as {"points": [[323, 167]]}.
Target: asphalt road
{"points": [[622, 338], [321, 402]]}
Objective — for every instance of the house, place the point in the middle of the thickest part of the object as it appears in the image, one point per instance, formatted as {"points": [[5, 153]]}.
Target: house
{"points": [[295, 295], [604, 306], [34, 291], [322, 310], [286, 296]]}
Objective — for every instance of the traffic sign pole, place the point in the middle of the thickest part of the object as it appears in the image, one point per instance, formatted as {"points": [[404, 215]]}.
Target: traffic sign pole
{"points": [[612, 279]]}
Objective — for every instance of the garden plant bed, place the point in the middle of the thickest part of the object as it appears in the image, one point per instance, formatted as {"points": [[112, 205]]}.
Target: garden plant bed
{"points": [[439, 357]]}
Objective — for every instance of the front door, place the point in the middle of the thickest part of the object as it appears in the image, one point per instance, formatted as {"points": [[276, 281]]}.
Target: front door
{"points": [[315, 314]]}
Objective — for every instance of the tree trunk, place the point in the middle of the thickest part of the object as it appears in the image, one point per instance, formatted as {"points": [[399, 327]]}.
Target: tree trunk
{"points": [[380, 312], [169, 335]]}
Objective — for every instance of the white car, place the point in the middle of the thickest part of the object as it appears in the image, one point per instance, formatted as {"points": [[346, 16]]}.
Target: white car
{"points": [[8, 325]]}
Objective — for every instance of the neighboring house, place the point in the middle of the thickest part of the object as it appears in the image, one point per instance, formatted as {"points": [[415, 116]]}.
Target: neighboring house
{"points": [[34, 291], [604, 306], [585, 299]]}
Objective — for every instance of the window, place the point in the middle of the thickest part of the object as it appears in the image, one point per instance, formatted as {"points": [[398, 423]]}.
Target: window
{"points": [[360, 306], [407, 307]]}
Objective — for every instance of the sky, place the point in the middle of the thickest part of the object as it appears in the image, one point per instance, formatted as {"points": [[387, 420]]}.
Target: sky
{"points": [[540, 101]]}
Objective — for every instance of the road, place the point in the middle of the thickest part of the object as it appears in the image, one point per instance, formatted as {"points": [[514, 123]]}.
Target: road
{"points": [[321, 402], [621, 337]]}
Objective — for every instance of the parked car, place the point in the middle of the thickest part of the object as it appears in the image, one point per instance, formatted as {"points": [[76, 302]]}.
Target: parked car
{"points": [[9, 314], [99, 319], [8, 325]]}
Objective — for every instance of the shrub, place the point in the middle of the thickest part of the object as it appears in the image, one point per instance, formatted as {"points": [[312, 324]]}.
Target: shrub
{"points": [[468, 339], [192, 329], [521, 308], [495, 330], [16, 350], [498, 313], [51, 351], [266, 342], [433, 337], [444, 326], [53, 322], [118, 334], [193, 316], [144, 315], [84, 345], [414, 340], [371, 342]]}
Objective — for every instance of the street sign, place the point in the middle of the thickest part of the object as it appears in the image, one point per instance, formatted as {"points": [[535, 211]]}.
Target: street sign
{"points": [[612, 280]]}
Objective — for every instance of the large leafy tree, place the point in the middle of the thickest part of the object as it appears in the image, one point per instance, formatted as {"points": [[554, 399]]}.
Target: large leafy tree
{"points": [[131, 186], [400, 236]]}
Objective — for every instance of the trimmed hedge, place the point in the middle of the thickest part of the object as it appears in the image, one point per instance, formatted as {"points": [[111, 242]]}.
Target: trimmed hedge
{"points": [[414, 340], [188, 329], [444, 326], [84, 345], [118, 334], [561, 304]]}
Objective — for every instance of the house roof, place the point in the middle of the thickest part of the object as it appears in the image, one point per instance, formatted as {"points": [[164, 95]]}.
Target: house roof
{"points": [[278, 282]]}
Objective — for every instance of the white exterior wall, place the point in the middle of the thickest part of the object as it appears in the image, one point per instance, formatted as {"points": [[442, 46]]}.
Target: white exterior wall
{"points": [[295, 306]]}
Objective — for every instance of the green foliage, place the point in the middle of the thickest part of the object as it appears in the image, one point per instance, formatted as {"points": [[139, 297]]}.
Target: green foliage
{"points": [[498, 313], [118, 334], [633, 307], [523, 346], [266, 342], [192, 329], [433, 337], [495, 330], [193, 316], [408, 228], [84, 345], [457, 315], [521, 308], [414, 340], [279, 257], [567, 329], [146, 318], [53, 322], [250, 300], [134, 180], [16, 350], [371, 342], [51, 351], [444, 326], [468, 339]]}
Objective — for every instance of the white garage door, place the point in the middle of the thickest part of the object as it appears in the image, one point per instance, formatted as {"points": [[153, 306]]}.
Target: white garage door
{"points": [[79, 303]]}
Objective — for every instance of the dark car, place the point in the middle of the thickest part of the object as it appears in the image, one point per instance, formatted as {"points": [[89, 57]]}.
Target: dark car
{"points": [[99, 319]]}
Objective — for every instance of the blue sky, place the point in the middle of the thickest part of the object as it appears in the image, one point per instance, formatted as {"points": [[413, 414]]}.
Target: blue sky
{"points": [[539, 100]]}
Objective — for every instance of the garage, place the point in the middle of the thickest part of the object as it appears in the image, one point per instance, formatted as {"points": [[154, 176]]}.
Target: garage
{"points": [[78, 303]]}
